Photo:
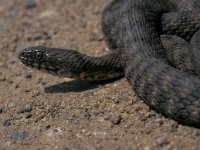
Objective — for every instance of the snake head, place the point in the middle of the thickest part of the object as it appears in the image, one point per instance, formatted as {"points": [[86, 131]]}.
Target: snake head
{"points": [[32, 55], [52, 60], [40, 58]]}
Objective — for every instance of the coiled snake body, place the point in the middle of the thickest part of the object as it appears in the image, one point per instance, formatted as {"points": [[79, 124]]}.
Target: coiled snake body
{"points": [[133, 29]]}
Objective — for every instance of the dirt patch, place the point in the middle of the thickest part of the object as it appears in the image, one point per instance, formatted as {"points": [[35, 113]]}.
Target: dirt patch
{"points": [[40, 111]]}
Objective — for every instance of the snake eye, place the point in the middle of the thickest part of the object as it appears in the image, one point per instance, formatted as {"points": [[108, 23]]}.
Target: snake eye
{"points": [[38, 55]]}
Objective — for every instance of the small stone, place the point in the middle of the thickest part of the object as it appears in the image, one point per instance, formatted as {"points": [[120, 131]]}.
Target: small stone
{"points": [[19, 135], [15, 38], [27, 90], [197, 133], [128, 148], [11, 62], [73, 148], [18, 74], [43, 82], [11, 81], [16, 86], [28, 116], [48, 14], [40, 36], [27, 109], [162, 141], [174, 124], [87, 115], [46, 36], [55, 130], [83, 23], [54, 133], [28, 76], [2, 78], [95, 10], [116, 101], [114, 118], [13, 104], [100, 134], [7, 122], [147, 148], [1, 110], [30, 4], [22, 46], [48, 126], [37, 37], [93, 36]]}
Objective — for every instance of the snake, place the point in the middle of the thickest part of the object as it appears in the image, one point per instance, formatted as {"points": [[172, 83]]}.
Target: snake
{"points": [[133, 31]]}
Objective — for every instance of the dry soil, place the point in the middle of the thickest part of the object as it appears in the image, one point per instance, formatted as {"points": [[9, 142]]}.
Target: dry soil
{"points": [[40, 111]]}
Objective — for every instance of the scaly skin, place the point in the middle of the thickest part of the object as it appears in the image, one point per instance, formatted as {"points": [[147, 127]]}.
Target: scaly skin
{"points": [[133, 28], [164, 88]]}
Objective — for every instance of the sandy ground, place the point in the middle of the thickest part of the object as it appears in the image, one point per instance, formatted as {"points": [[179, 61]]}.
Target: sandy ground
{"points": [[41, 111]]}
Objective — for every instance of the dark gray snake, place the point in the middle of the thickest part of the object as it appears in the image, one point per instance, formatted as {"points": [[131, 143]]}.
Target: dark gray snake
{"points": [[133, 29]]}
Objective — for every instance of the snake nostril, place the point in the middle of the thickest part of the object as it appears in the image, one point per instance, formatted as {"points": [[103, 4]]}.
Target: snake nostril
{"points": [[22, 54]]}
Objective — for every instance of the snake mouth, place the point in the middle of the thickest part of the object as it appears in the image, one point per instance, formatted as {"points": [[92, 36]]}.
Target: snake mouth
{"points": [[28, 58], [38, 66], [33, 57], [26, 61]]}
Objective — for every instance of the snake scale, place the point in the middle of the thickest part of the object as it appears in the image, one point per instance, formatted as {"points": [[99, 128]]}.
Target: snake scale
{"points": [[132, 29]]}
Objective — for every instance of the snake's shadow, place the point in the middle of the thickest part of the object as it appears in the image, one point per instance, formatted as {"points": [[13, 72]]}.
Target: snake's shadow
{"points": [[77, 86]]}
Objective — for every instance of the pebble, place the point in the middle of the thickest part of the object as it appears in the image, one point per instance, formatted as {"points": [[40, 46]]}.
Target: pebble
{"points": [[40, 36], [28, 90], [197, 133], [13, 104], [30, 4], [19, 135], [100, 134], [26, 109], [87, 115], [48, 14], [28, 116], [1, 110], [7, 122], [2, 78], [16, 86], [116, 101], [28, 76], [11, 81], [15, 39], [11, 62], [22, 46], [94, 36], [46, 36], [48, 126], [95, 10], [162, 141], [174, 124], [114, 118], [17, 74], [54, 133], [36, 37]]}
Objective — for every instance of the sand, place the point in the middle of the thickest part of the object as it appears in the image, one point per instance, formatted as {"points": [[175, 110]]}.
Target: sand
{"points": [[41, 111]]}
